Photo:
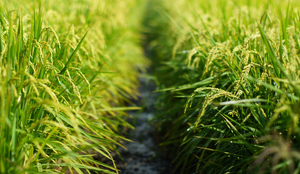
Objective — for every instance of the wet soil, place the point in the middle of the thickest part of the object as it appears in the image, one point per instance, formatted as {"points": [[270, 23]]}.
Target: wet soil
{"points": [[143, 155]]}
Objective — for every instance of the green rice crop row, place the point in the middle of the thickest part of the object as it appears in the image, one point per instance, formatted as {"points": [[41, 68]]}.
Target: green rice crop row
{"points": [[66, 70], [229, 84]]}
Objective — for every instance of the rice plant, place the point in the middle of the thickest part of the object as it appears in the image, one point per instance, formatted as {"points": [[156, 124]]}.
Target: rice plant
{"points": [[229, 77], [65, 73]]}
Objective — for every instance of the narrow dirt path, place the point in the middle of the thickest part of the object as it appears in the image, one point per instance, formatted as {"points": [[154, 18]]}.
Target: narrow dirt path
{"points": [[142, 155]]}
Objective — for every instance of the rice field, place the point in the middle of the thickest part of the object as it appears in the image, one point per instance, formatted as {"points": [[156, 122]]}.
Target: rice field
{"points": [[229, 84], [227, 74], [66, 70]]}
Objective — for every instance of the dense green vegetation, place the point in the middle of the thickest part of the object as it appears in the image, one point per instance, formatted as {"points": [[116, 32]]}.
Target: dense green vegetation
{"points": [[66, 70], [228, 76], [229, 84]]}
